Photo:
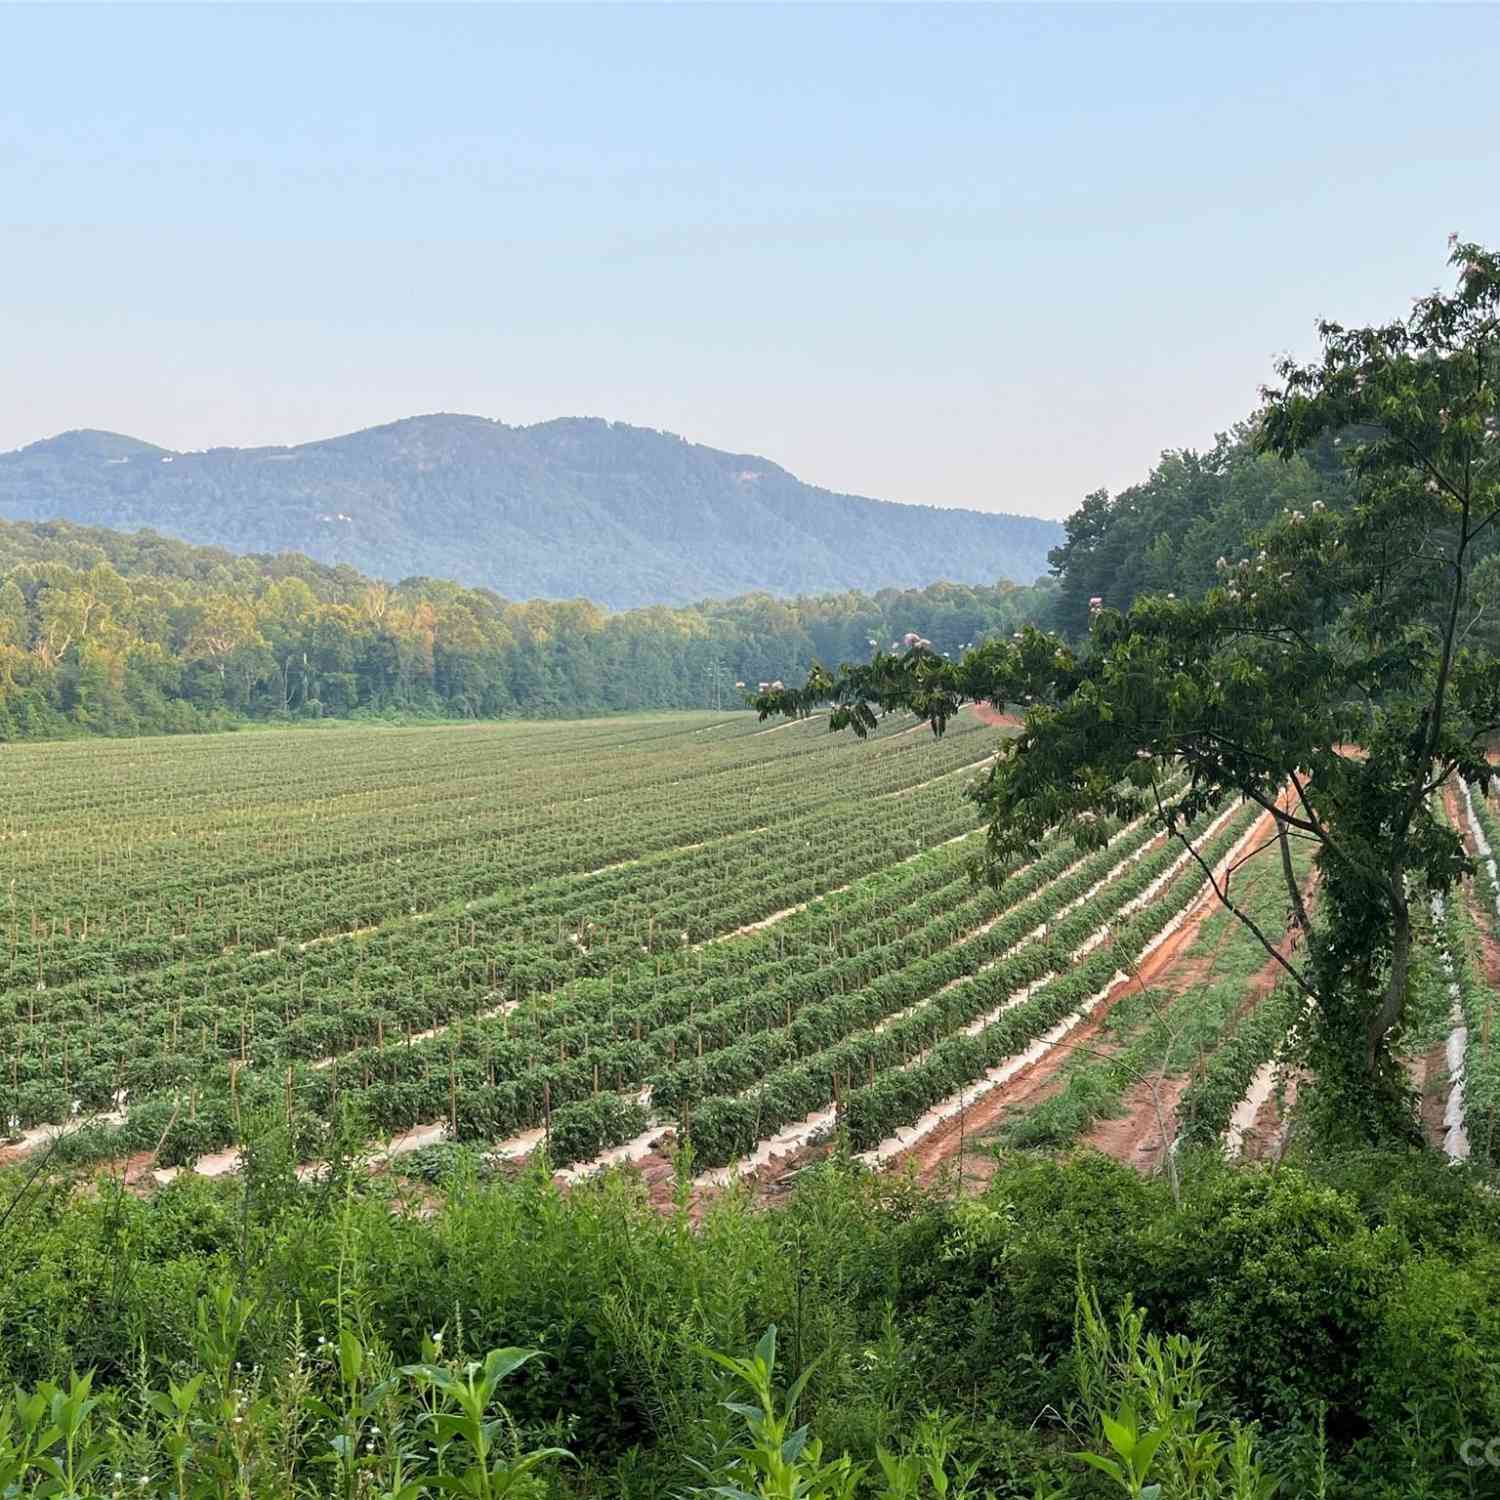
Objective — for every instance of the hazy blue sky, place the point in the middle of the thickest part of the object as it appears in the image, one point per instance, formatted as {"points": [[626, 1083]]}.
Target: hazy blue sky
{"points": [[989, 257]]}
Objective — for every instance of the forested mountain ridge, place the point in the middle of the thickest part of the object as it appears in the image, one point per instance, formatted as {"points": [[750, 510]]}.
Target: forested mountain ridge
{"points": [[107, 633], [626, 516]]}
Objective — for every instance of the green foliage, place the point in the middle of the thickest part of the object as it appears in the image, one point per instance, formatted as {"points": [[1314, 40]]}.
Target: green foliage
{"points": [[1165, 535], [1206, 1105], [106, 633], [1328, 677], [226, 1432], [468, 1427], [1150, 1400], [776, 1461], [1151, 1036], [256, 1345]]}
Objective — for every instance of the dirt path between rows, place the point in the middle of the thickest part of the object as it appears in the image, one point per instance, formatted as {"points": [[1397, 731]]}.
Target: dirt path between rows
{"points": [[1431, 1074], [1136, 1137], [942, 1149], [1140, 1137]]}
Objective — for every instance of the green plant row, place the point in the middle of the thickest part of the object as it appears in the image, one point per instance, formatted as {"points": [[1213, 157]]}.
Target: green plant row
{"points": [[652, 899], [875, 1111], [1460, 941], [1029, 897], [486, 1083], [150, 1047], [906, 1058], [463, 1077], [352, 852], [110, 1043], [1204, 1111], [1479, 806], [484, 1103]]}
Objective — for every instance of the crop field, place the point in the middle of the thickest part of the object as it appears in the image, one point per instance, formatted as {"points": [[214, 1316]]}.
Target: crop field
{"points": [[583, 935]]}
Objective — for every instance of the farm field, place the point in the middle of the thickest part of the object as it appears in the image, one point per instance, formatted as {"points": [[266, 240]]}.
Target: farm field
{"points": [[475, 927], [584, 935]]}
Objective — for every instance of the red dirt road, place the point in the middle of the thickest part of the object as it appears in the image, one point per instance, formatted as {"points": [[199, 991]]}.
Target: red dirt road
{"points": [[986, 714]]}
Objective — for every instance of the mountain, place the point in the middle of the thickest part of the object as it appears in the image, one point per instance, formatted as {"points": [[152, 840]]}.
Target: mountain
{"points": [[625, 516]]}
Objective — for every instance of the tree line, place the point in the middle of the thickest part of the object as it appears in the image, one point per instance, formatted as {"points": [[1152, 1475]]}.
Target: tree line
{"points": [[110, 633], [1166, 534]]}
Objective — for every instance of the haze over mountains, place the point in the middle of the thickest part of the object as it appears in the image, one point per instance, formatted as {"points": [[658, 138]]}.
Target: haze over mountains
{"points": [[625, 516]]}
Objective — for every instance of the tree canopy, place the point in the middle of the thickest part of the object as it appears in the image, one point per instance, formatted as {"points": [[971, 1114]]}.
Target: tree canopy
{"points": [[1336, 673], [102, 632], [1166, 534]]}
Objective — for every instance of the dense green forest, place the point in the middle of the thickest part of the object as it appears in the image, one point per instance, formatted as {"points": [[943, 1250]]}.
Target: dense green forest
{"points": [[625, 516], [1167, 533], [107, 633]]}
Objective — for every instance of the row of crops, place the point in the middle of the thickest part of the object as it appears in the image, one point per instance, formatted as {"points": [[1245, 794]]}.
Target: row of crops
{"points": [[1473, 1058], [290, 899], [584, 930], [1452, 1010], [350, 829]]}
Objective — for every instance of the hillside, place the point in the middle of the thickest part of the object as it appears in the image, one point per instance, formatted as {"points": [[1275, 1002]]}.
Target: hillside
{"points": [[622, 515]]}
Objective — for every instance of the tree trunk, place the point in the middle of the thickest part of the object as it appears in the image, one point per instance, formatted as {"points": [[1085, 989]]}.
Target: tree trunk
{"points": [[1393, 1003], [1299, 911]]}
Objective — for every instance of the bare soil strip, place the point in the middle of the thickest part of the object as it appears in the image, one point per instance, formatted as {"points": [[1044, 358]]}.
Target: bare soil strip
{"points": [[987, 714], [1137, 1137], [938, 1147]]}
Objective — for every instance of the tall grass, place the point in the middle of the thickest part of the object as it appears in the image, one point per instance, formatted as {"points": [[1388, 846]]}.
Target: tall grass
{"points": [[263, 1336]]}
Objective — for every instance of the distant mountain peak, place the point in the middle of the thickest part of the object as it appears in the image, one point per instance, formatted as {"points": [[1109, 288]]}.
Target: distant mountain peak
{"points": [[574, 506], [93, 442]]}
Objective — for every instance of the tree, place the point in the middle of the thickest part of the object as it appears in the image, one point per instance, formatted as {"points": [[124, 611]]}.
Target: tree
{"points": [[1329, 676], [219, 627], [1163, 535], [14, 628]]}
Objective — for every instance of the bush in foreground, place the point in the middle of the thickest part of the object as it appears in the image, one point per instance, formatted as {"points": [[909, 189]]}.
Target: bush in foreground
{"points": [[1349, 1312]]}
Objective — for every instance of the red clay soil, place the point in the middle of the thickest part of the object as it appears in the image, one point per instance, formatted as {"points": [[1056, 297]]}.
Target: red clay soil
{"points": [[1454, 808], [1137, 1136], [1430, 1074], [767, 1184], [1489, 948], [987, 714], [936, 1151]]}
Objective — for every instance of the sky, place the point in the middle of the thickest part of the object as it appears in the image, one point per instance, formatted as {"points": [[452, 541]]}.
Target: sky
{"points": [[957, 255]]}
